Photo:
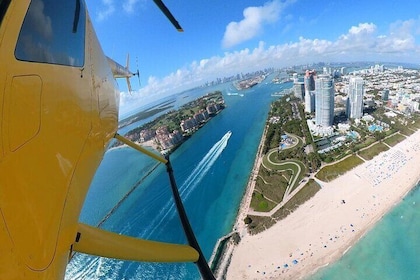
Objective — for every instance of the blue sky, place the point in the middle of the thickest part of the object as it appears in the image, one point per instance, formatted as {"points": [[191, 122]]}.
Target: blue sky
{"points": [[222, 38]]}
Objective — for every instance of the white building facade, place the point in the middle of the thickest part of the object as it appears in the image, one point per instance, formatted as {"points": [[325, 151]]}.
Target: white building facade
{"points": [[355, 98], [324, 100]]}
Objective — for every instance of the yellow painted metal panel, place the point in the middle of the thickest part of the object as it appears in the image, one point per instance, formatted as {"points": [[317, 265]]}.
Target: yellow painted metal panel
{"points": [[141, 149], [56, 121], [99, 242], [24, 109]]}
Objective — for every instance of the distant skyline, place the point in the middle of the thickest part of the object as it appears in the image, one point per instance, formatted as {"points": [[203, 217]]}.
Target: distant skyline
{"points": [[222, 38]]}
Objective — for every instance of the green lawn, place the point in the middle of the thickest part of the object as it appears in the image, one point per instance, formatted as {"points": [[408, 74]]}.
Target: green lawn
{"points": [[394, 139], [366, 143], [260, 224], [260, 203], [406, 131], [308, 191], [330, 172], [373, 151], [271, 184], [415, 125], [289, 164]]}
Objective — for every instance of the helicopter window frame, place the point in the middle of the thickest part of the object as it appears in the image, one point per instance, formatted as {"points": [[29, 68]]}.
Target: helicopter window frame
{"points": [[53, 32]]}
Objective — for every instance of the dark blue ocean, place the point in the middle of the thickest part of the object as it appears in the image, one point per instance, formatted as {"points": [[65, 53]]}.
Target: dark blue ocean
{"points": [[212, 170]]}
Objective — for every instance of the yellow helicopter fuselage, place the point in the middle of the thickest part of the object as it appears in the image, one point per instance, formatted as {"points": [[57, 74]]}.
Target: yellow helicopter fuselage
{"points": [[59, 110]]}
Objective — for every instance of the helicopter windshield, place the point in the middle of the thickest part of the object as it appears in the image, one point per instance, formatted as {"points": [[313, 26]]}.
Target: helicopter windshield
{"points": [[53, 32]]}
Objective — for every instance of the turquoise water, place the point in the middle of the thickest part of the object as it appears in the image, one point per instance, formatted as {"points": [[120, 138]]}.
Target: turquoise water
{"points": [[211, 169], [389, 251]]}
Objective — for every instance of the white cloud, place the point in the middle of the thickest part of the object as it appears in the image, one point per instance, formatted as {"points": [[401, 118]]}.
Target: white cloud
{"points": [[129, 5], [361, 42], [252, 23], [108, 8], [362, 28], [39, 21], [363, 39]]}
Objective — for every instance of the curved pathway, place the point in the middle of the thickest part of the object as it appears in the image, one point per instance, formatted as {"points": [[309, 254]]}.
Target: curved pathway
{"points": [[295, 176], [292, 182]]}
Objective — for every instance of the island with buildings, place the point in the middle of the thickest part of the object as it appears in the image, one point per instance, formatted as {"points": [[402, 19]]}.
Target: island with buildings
{"points": [[168, 131], [250, 81], [337, 153]]}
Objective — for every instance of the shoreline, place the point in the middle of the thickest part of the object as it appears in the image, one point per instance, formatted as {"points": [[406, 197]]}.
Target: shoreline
{"points": [[239, 226], [243, 209], [323, 229]]}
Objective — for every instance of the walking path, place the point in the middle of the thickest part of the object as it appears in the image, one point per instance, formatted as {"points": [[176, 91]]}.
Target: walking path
{"points": [[292, 182], [294, 177]]}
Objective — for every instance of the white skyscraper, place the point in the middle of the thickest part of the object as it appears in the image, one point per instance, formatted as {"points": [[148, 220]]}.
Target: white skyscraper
{"points": [[355, 98], [324, 100], [295, 78]]}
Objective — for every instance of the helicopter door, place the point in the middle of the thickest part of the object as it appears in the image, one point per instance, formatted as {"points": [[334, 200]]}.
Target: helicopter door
{"points": [[4, 4], [46, 120]]}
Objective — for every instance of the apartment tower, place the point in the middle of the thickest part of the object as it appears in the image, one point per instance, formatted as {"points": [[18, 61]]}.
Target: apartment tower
{"points": [[355, 98], [309, 82], [324, 100]]}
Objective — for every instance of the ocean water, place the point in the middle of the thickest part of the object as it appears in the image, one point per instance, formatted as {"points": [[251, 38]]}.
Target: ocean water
{"points": [[211, 169], [389, 251]]}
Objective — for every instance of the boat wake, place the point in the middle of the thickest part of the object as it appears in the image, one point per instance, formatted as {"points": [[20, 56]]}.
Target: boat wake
{"points": [[190, 184], [235, 94]]}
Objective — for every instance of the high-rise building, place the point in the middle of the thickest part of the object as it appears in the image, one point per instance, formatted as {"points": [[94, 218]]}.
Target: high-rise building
{"points": [[355, 98], [295, 78], [309, 82], [324, 100], [299, 89], [385, 94]]}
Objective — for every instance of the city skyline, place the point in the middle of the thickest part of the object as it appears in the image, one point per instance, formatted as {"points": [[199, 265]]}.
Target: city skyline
{"points": [[222, 39]]}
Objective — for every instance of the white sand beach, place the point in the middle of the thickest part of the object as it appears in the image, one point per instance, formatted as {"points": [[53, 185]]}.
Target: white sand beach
{"points": [[322, 230]]}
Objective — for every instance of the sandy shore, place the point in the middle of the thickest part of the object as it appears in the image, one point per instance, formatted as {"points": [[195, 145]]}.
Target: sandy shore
{"points": [[324, 228], [150, 143]]}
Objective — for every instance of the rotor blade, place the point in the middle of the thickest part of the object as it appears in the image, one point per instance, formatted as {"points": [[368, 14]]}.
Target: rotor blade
{"points": [[168, 14], [98, 242]]}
